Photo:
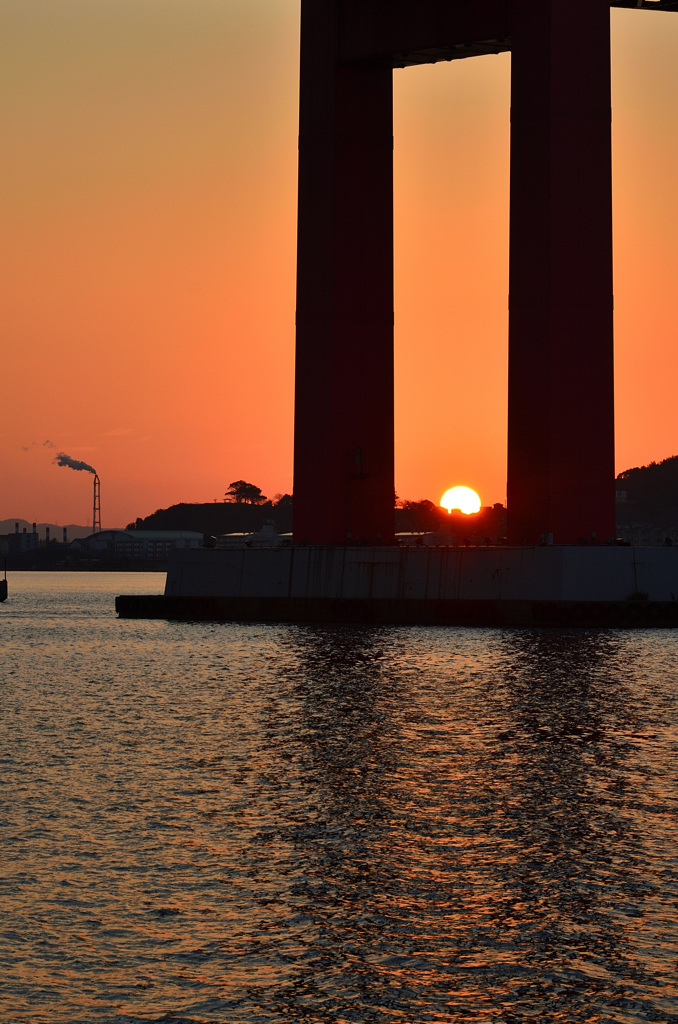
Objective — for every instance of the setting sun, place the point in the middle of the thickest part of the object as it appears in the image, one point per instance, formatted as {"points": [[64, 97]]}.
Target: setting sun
{"points": [[463, 498]]}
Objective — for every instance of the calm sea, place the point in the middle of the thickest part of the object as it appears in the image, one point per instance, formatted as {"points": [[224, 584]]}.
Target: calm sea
{"points": [[256, 823]]}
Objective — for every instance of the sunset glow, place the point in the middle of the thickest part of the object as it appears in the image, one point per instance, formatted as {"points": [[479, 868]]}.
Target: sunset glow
{"points": [[149, 212], [463, 498]]}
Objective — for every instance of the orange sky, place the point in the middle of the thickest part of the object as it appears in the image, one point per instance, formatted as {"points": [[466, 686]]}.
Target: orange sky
{"points": [[148, 212]]}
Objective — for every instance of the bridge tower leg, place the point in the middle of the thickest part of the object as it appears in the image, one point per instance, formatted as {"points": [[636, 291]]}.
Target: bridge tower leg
{"points": [[343, 444], [561, 407]]}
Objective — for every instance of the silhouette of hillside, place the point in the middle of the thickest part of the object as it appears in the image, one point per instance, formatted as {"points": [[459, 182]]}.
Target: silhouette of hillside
{"points": [[649, 496], [214, 518]]}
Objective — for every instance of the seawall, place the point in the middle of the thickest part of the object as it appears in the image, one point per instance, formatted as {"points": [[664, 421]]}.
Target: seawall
{"points": [[481, 586]]}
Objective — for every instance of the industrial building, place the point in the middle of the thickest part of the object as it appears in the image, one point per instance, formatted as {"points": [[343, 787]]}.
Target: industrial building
{"points": [[139, 545]]}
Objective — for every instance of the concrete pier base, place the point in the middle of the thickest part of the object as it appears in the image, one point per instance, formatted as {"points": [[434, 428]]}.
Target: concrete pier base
{"points": [[510, 586]]}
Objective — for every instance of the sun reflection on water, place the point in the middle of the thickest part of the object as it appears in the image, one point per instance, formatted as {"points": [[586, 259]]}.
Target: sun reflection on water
{"points": [[280, 823]]}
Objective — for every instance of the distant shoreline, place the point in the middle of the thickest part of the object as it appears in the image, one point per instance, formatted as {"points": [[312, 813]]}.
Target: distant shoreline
{"points": [[87, 568]]}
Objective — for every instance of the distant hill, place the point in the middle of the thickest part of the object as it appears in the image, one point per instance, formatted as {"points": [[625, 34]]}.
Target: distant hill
{"points": [[55, 532], [648, 496], [214, 518]]}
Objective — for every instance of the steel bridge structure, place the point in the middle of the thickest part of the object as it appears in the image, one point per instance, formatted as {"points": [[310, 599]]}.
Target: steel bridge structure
{"points": [[560, 468]]}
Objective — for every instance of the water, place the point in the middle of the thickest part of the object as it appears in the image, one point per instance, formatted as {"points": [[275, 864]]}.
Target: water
{"points": [[256, 823]]}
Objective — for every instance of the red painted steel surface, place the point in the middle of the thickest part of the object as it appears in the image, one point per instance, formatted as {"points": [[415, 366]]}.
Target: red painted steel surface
{"points": [[561, 429], [343, 450], [561, 403]]}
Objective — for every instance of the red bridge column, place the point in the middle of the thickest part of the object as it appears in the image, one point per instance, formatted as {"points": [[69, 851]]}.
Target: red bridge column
{"points": [[343, 443], [561, 406]]}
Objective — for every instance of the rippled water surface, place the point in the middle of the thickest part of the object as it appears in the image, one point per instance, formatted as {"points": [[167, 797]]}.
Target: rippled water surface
{"points": [[254, 823]]}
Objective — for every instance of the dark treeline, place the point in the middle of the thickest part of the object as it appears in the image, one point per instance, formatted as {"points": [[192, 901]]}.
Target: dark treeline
{"points": [[215, 518], [487, 525], [649, 496]]}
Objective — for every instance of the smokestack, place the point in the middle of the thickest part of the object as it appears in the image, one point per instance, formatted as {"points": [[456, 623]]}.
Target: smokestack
{"points": [[35, 529], [16, 527], [96, 506], [47, 535], [61, 459], [65, 535]]}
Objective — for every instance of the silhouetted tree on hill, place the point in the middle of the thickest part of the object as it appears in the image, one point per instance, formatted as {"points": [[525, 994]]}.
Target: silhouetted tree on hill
{"points": [[244, 493], [214, 518]]}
